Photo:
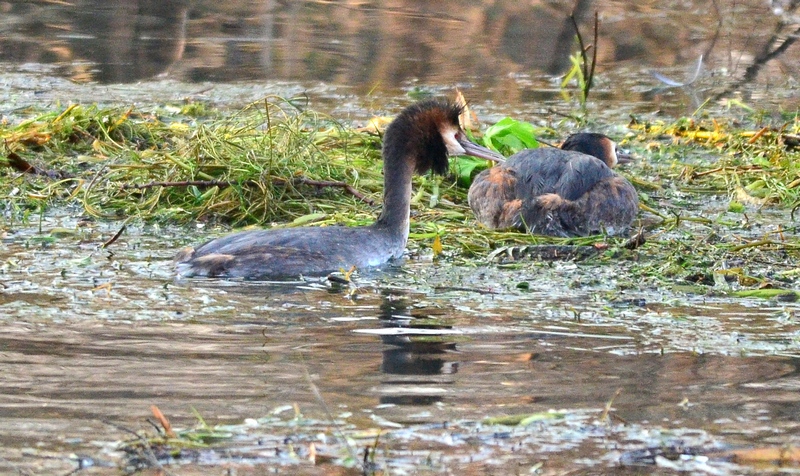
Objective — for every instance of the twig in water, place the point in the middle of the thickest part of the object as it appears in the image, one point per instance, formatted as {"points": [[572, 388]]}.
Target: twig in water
{"points": [[587, 66], [464, 288], [147, 448], [594, 54], [754, 244], [185, 183], [636, 240], [327, 411], [115, 237], [758, 135], [369, 456], [163, 421], [16, 162], [794, 209], [607, 409], [655, 212], [744, 168], [564, 115], [325, 183]]}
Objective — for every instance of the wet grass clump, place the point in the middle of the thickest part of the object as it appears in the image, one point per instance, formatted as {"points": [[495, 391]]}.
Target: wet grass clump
{"points": [[717, 195], [272, 162], [257, 166], [757, 166]]}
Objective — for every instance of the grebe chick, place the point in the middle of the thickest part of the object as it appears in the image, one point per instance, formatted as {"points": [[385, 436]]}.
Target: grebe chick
{"points": [[419, 139], [570, 191]]}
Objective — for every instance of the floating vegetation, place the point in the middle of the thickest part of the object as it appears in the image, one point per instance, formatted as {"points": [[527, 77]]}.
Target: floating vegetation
{"points": [[500, 441], [273, 161], [259, 165], [755, 167], [277, 162]]}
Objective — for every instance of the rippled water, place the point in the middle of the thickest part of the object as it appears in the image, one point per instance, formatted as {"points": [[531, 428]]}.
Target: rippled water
{"points": [[506, 53], [92, 338]]}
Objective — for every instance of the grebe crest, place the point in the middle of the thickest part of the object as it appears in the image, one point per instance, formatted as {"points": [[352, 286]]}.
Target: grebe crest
{"points": [[434, 125]]}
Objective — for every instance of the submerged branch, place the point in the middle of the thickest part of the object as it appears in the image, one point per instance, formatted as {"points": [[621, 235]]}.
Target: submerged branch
{"points": [[775, 47], [16, 162], [115, 237]]}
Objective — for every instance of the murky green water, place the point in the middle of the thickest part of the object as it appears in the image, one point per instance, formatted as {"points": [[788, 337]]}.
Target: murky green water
{"points": [[424, 354]]}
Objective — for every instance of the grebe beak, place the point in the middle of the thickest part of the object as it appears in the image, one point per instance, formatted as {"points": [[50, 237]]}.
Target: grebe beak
{"points": [[475, 150], [624, 157]]}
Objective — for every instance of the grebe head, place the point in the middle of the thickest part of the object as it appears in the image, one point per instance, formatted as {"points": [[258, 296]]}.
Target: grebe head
{"points": [[429, 132], [597, 145]]}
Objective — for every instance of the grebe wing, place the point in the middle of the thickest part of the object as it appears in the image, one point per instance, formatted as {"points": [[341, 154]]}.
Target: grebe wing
{"points": [[566, 173]]}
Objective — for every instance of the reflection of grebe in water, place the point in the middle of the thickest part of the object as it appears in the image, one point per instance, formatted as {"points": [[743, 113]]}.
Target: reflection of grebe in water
{"points": [[420, 139], [414, 367], [570, 191]]}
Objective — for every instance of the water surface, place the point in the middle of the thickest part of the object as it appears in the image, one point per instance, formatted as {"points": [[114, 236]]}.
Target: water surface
{"points": [[509, 53], [424, 354], [92, 338]]}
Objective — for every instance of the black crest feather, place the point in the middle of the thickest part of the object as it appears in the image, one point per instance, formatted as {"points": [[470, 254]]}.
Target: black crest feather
{"points": [[416, 132]]}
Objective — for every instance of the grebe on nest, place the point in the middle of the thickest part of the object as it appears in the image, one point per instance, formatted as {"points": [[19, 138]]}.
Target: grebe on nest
{"points": [[570, 191], [419, 139]]}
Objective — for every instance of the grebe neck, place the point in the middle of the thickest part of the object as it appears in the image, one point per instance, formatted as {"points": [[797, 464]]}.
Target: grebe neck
{"points": [[397, 174]]}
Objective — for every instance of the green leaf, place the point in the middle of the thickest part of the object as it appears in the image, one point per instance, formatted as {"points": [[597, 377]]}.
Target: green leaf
{"points": [[466, 167], [311, 217], [511, 142], [769, 293], [509, 136]]}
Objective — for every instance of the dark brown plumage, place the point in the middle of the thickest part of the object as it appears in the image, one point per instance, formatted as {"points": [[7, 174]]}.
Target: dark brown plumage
{"points": [[570, 191]]}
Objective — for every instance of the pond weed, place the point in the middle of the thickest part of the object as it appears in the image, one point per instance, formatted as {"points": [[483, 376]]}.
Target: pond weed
{"points": [[705, 183]]}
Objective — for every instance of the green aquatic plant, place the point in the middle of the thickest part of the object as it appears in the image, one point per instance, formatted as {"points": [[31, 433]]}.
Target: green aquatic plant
{"points": [[277, 163], [260, 164], [508, 136], [756, 167], [576, 72], [271, 162], [583, 67]]}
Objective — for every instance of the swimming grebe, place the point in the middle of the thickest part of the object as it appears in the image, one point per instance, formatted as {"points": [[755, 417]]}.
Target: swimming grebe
{"points": [[570, 191], [419, 139]]}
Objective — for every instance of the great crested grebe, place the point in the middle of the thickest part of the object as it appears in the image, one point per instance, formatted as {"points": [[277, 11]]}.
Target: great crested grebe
{"points": [[570, 191], [419, 139]]}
